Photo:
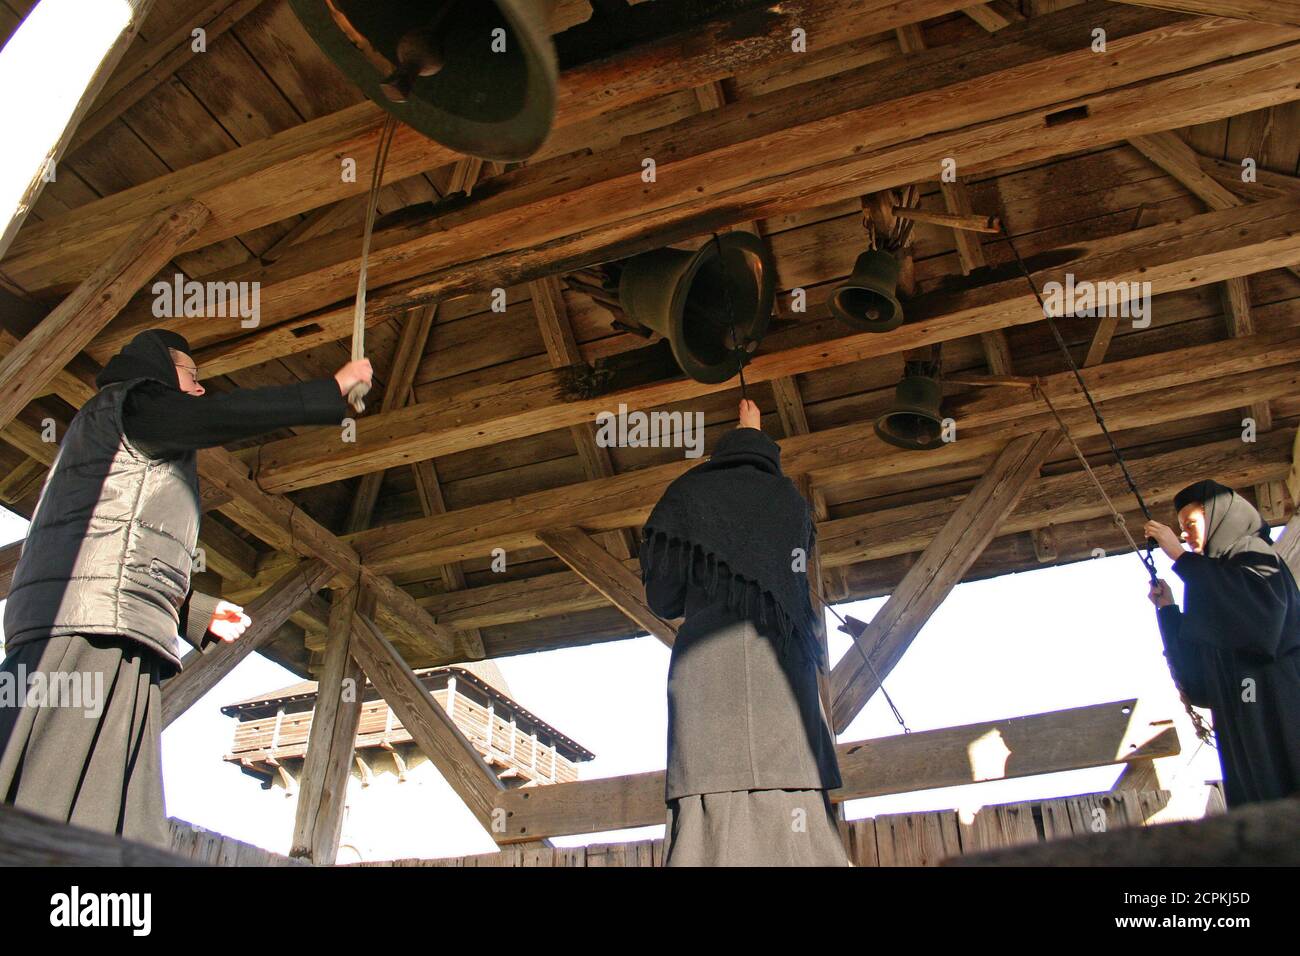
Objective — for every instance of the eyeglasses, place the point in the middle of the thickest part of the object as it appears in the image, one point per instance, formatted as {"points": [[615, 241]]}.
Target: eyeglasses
{"points": [[194, 372]]}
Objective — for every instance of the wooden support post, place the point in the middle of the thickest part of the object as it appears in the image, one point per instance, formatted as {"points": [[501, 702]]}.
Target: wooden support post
{"points": [[340, 693], [562, 348], [27, 370], [52, 69], [282, 524], [268, 612], [936, 572], [427, 723], [609, 576]]}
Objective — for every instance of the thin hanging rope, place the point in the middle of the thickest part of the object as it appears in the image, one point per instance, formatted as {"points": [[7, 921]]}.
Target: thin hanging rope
{"points": [[358, 391], [1096, 414], [1204, 730], [866, 659], [741, 354]]}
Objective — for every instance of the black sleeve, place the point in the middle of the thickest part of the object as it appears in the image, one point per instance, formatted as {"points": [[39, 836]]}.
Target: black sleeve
{"points": [[1239, 597], [1184, 657], [665, 590], [196, 614], [165, 421]]}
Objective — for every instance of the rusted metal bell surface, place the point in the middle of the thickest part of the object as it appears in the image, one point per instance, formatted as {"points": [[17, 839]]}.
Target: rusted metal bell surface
{"points": [[692, 298], [433, 64], [915, 420], [866, 300]]}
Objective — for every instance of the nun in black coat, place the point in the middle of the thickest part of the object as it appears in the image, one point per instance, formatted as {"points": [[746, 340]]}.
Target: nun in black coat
{"points": [[750, 753], [1235, 648]]}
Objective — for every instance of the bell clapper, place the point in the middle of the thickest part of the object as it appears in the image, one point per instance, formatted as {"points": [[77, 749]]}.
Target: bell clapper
{"points": [[419, 54]]}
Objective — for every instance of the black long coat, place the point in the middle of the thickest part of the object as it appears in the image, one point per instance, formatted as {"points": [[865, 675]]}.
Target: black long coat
{"points": [[742, 715], [1236, 650]]}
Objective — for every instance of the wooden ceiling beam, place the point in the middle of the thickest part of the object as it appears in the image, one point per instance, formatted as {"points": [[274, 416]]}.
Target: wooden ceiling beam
{"points": [[1286, 12], [145, 68], [298, 170], [1170, 256], [1222, 371], [29, 367], [609, 576], [1059, 500], [571, 212], [282, 524], [929, 581]]}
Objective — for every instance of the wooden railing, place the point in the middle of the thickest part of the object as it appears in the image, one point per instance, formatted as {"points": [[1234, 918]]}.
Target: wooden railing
{"points": [[285, 736]]}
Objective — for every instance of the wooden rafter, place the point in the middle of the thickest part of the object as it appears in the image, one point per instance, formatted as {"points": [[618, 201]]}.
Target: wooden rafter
{"points": [[527, 228], [428, 724], [271, 609], [1174, 255], [144, 69], [297, 170], [28, 368], [609, 576], [941, 566]]}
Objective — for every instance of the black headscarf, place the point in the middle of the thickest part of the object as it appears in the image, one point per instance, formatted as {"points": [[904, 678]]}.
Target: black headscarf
{"points": [[145, 356], [745, 518], [1232, 525]]}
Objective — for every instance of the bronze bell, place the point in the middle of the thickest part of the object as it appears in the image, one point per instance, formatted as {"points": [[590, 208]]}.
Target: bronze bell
{"points": [[866, 300], [434, 64], [692, 299], [915, 420]]}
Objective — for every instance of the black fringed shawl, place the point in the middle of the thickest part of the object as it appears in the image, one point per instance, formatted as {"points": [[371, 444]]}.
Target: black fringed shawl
{"points": [[752, 528]]}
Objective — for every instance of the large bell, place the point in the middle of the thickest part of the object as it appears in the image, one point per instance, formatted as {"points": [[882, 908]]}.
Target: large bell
{"points": [[914, 421], [435, 65], [692, 299], [866, 300]]}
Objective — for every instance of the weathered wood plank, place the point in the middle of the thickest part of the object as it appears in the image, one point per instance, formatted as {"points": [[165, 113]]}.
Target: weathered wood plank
{"points": [[271, 609], [435, 732], [28, 368], [940, 567], [1097, 735], [609, 576], [1178, 255]]}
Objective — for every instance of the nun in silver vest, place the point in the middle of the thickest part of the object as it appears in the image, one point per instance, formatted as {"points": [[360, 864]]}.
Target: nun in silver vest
{"points": [[101, 596]]}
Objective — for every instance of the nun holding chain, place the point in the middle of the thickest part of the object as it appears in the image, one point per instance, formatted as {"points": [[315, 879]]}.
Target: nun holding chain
{"points": [[750, 753], [1235, 648]]}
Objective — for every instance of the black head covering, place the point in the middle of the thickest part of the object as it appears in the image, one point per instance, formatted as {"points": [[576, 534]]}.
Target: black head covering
{"points": [[1232, 525], [745, 518], [145, 356]]}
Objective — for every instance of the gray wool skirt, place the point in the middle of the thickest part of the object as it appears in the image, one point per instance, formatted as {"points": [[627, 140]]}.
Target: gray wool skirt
{"points": [[93, 757], [753, 828]]}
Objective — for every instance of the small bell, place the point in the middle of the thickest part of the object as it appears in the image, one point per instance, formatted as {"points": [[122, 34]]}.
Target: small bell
{"points": [[915, 420], [866, 300]]}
